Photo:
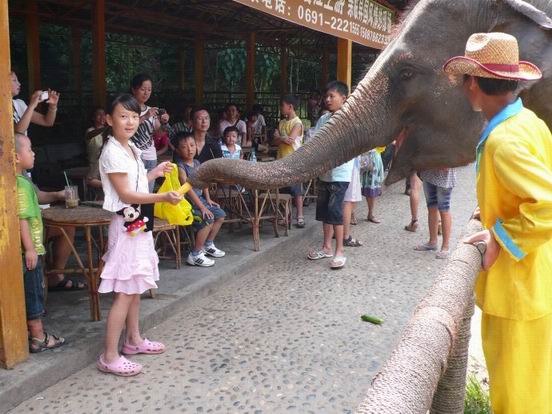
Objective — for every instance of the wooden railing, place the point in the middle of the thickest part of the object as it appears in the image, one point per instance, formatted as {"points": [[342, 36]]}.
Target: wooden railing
{"points": [[427, 369]]}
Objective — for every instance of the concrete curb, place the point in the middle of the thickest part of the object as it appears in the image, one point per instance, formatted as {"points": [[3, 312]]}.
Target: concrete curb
{"points": [[84, 351]]}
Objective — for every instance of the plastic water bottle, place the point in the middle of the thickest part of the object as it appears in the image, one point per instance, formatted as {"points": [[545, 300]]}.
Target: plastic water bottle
{"points": [[253, 157]]}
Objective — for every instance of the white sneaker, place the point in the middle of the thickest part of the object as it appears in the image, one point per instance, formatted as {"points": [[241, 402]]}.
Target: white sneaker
{"points": [[213, 251], [199, 260]]}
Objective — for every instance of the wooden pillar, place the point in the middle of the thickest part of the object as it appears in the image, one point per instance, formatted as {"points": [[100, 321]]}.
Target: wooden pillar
{"points": [[13, 329], [325, 78], [33, 45], [250, 70], [182, 68], [199, 54], [98, 53], [284, 81], [76, 39], [344, 60]]}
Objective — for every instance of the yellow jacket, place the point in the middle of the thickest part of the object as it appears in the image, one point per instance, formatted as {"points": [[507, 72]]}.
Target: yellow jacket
{"points": [[514, 190]]}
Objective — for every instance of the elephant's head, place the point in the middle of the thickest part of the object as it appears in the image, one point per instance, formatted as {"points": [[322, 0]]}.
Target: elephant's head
{"points": [[406, 96]]}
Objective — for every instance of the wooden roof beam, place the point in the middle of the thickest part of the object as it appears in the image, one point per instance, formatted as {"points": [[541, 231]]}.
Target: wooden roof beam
{"points": [[85, 23]]}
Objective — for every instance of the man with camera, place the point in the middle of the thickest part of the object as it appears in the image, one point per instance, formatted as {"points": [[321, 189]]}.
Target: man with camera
{"points": [[23, 115]]}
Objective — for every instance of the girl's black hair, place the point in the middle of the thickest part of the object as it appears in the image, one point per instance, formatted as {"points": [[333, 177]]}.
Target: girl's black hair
{"points": [[139, 79], [127, 101], [229, 129]]}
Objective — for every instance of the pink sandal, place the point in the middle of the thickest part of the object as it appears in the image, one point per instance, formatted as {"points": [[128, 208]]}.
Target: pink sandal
{"points": [[146, 347], [121, 367]]}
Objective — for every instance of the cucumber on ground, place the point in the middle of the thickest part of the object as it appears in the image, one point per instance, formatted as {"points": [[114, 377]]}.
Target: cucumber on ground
{"points": [[371, 319]]}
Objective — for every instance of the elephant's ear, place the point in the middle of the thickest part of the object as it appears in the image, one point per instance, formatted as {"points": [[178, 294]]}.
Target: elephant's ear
{"points": [[528, 10]]}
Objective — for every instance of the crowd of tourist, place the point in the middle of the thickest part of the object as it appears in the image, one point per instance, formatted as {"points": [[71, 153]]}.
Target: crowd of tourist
{"points": [[124, 144]]}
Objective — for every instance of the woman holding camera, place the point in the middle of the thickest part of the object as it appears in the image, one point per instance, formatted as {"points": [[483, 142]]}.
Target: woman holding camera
{"points": [[151, 119], [23, 115]]}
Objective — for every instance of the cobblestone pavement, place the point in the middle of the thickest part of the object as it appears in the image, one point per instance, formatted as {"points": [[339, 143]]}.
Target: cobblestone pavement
{"points": [[286, 338]]}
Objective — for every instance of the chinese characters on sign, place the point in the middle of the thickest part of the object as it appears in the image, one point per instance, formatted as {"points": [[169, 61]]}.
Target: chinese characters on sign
{"points": [[363, 21]]}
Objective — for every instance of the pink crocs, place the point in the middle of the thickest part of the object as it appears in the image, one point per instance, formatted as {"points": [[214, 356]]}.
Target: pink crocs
{"points": [[146, 347], [121, 367]]}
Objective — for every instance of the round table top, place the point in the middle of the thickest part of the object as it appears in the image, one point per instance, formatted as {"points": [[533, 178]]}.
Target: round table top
{"points": [[79, 216]]}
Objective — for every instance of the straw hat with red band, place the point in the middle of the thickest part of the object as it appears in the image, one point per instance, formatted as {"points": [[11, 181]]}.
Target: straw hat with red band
{"points": [[495, 56]]}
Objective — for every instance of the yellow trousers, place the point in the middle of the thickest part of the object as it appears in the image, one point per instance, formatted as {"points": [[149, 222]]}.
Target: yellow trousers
{"points": [[519, 361]]}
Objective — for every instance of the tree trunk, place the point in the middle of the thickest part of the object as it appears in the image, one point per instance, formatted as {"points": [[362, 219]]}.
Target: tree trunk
{"points": [[432, 352], [450, 393]]}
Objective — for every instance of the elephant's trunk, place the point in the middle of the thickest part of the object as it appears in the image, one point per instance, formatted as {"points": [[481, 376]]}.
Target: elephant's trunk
{"points": [[359, 126]]}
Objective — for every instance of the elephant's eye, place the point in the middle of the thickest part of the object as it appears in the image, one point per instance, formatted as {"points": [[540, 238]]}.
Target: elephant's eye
{"points": [[406, 74]]}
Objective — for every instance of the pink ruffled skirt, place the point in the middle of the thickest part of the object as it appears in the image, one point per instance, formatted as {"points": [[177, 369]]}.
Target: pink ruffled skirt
{"points": [[131, 262]]}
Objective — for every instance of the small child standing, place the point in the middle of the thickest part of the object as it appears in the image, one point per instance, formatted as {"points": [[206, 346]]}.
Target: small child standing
{"points": [[332, 188], [373, 175], [31, 228], [131, 262], [230, 148], [289, 138], [208, 216]]}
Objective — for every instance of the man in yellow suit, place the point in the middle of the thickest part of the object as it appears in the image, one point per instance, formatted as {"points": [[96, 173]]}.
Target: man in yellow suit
{"points": [[514, 190]]}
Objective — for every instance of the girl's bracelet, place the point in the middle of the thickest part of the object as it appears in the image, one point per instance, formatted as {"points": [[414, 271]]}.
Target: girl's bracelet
{"points": [[52, 108]]}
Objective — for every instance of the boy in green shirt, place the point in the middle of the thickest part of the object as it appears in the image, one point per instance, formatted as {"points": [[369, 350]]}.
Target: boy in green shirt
{"points": [[31, 228]]}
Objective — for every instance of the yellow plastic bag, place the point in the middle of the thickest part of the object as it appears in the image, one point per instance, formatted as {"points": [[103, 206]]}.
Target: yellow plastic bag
{"points": [[180, 213]]}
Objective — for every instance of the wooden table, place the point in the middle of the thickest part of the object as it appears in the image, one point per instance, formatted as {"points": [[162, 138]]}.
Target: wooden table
{"points": [[87, 218]]}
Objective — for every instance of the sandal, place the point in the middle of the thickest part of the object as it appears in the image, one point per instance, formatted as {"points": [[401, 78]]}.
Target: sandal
{"points": [[317, 255], [76, 284], [40, 345], [121, 367], [350, 242], [338, 262], [373, 220], [300, 222], [443, 254], [412, 227], [426, 247], [354, 221], [146, 347]]}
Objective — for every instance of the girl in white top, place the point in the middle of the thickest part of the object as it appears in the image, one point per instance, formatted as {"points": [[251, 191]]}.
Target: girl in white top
{"points": [[150, 120], [232, 118], [23, 115], [131, 263]]}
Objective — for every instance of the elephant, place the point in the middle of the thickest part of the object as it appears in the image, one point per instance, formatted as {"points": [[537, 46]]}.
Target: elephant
{"points": [[406, 96]]}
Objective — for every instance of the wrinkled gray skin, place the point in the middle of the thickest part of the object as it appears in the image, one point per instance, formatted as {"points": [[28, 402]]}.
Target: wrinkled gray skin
{"points": [[406, 93]]}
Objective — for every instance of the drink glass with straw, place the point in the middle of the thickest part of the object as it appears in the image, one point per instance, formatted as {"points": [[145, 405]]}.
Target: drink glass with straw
{"points": [[71, 193]]}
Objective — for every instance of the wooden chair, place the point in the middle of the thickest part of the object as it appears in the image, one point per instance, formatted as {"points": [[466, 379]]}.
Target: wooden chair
{"points": [[187, 237], [167, 237], [309, 193], [232, 200], [280, 204]]}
